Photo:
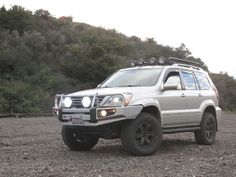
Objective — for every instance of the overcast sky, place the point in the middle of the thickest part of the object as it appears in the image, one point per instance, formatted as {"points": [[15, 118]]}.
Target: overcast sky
{"points": [[206, 27]]}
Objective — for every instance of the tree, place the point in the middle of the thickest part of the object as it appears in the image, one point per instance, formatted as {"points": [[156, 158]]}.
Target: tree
{"points": [[151, 41], [42, 13], [182, 51], [16, 18], [3, 17]]}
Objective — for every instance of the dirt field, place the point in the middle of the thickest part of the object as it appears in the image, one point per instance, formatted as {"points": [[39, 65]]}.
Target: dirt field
{"points": [[33, 147]]}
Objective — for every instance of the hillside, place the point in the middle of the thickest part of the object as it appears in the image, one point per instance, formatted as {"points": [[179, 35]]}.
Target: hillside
{"points": [[41, 55]]}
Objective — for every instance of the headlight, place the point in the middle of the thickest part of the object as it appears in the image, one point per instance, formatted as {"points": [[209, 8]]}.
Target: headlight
{"points": [[86, 101], [67, 102], [118, 100]]}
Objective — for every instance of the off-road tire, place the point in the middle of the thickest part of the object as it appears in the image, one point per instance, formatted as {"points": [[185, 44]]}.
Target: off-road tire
{"points": [[142, 136], [207, 133], [76, 140]]}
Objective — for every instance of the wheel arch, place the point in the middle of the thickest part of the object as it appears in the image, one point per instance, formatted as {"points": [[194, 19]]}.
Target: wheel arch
{"points": [[153, 110], [211, 109], [151, 106]]}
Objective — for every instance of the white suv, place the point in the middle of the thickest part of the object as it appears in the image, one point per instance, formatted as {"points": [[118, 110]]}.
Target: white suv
{"points": [[141, 103]]}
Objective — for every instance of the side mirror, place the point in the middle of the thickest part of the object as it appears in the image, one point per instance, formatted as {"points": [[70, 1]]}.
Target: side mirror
{"points": [[170, 86]]}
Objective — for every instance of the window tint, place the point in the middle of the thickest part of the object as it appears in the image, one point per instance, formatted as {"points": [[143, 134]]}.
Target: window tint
{"points": [[188, 80], [202, 81]]}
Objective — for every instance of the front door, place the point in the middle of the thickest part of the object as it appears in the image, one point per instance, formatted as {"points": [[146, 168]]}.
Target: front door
{"points": [[173, 102]]}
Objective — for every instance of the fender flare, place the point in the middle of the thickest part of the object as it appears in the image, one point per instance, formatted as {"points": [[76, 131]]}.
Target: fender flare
{"points": [[149, 102]]}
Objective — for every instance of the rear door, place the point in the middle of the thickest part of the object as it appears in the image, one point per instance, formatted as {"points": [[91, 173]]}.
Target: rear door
{"points": [[193, 94], [204, 85]]}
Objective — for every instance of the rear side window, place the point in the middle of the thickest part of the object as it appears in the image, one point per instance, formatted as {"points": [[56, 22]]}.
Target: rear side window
{"points": [[188, 80], [202, 81]]}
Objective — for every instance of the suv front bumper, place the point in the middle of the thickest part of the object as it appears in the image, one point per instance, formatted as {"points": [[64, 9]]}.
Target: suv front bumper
{"points": [[92, 117]]}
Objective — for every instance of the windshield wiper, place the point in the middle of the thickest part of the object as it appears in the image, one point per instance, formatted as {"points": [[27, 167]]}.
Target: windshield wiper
{"points": [[130, 85], [106, 86]]}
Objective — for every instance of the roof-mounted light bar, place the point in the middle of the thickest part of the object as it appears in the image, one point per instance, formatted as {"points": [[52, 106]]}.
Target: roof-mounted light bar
{"points": [[146, 62], [163, 61]]}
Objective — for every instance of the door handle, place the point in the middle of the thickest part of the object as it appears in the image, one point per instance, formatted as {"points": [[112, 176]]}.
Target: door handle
{"points": [[183, 95], [200, 95]]}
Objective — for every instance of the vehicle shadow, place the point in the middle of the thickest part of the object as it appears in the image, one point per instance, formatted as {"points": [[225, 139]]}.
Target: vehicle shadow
{"points": [[170, 145], [115, 148]]}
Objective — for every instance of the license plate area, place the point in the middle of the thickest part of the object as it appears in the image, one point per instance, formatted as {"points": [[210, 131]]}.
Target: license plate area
{"points": [[77, 121]]}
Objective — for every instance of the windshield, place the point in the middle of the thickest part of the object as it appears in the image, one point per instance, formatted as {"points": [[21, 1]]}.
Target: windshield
{"points": [[133, 78]]}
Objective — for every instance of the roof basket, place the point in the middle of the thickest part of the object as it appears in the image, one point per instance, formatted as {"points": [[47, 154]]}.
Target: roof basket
{"points": [[166, 61], [173, 60]]}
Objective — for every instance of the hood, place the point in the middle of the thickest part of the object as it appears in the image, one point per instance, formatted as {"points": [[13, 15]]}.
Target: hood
{"points": [[110, 91]]}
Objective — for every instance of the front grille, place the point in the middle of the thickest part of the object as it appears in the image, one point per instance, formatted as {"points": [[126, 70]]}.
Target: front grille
{"points": [[77, 101]]}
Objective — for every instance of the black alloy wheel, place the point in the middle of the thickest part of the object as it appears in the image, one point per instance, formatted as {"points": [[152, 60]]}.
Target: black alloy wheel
{"points": [[207, 133], [142, 136]]}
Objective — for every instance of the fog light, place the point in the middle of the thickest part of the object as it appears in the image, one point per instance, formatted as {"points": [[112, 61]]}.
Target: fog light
{"points": [[133, 63], [103, 113], [140, 62], [67, 102], [152, 61], [86, 101], [161, 60], [106, 112]]}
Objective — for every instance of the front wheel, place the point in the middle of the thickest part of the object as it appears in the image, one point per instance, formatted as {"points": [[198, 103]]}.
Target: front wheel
{"points": [[142, 136], [76, 140], [207, 133]]}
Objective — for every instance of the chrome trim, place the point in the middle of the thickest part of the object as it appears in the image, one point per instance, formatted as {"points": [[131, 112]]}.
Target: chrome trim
{"points": [[94, 99]]}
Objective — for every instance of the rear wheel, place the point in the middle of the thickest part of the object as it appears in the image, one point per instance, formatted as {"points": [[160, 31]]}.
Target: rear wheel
{"points": [[207, 133], [142, 136], [76, 140]]}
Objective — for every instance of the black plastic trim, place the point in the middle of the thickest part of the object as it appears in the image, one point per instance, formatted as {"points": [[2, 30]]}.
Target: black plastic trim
{"points": [[93, 115], [180, 129]]}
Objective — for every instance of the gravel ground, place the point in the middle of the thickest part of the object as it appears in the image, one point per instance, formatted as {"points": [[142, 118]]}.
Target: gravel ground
{"points": [[33, 147]]}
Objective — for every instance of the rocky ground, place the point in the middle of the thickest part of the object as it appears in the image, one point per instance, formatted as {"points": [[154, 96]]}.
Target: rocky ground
{"points": [[33, 147]]}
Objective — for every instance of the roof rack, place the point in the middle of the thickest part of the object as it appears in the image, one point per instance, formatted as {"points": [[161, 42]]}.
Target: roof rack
{"points": [[167, 61], [183, 61], [188, 66]]}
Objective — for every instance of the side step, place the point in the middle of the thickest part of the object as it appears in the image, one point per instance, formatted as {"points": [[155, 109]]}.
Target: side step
{"points": [[179, 129]]}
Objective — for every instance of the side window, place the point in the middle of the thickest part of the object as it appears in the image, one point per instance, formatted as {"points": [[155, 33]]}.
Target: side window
{"points": [[174, 77], [202, 81], [188, 80]]}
